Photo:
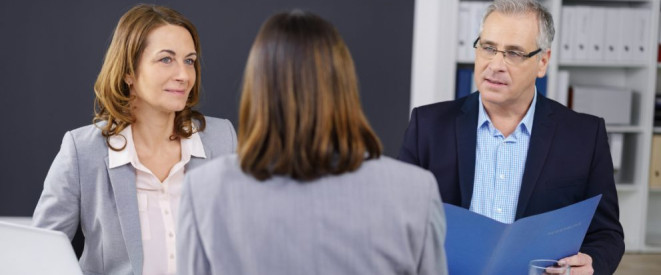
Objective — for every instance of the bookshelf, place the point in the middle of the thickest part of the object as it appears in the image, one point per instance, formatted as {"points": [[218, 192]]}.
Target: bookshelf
{"points": [[433, 79]]}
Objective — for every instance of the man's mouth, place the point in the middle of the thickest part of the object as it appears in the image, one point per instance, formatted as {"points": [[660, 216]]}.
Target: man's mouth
{"points": [[495, 82]]}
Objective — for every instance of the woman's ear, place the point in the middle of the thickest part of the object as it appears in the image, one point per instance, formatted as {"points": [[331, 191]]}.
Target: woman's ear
{"points": [[129, 80]]}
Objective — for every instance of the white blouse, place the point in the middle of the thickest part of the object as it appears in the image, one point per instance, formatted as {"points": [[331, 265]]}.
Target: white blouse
{"points": [[158, 202]]}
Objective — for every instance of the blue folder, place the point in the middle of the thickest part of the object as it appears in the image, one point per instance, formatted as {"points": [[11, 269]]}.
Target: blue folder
{"points": [[476, 244]]}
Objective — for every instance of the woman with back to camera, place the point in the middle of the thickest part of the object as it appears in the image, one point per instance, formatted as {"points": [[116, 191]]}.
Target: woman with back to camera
{"points": [[308, 192], [121, 178]]}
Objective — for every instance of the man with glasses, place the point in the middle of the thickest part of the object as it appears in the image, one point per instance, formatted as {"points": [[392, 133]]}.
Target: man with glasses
{"points": [[507, 152]]}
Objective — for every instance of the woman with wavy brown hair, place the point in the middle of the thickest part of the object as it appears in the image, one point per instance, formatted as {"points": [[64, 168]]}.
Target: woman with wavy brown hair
{"points": [[121, 178], [309, 191]]}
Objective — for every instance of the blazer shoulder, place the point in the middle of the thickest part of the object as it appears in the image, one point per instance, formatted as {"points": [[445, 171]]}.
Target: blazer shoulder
{"points": [[219, 165], [217, 127], [215, 122], [407, 186], [219, 136], [441, 107], [207, 175], [441, 111], [88, 139], [396, 171]]}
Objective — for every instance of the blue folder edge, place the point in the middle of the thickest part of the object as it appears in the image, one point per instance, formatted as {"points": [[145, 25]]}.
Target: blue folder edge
{"points": [[476, 244]]}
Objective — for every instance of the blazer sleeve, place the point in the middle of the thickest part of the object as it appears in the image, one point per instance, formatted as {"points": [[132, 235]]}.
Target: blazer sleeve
{"points": [[433, 259], [409, 150], [59, 205], [604, 241], [191, 258]]}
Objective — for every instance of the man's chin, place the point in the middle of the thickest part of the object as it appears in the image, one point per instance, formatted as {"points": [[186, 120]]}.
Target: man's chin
{"points": [[493, 97], [492, 94]]}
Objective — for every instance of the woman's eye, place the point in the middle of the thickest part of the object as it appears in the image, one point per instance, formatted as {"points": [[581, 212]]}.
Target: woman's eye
{"points": [[190, 61], [166, 60]]}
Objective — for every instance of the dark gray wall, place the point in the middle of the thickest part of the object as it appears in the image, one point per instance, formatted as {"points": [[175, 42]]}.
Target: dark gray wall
{"points": [[51, 52]]}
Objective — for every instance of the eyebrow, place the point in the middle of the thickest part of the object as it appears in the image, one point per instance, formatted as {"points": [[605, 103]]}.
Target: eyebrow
{"points": [[173, 53], [507, 48]]}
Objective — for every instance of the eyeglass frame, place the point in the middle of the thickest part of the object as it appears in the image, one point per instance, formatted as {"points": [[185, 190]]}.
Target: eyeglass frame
{"points": [[528, 55]]}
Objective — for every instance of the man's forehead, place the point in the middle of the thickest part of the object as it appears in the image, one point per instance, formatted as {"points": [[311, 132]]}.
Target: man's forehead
{"points": [[515, 30]]}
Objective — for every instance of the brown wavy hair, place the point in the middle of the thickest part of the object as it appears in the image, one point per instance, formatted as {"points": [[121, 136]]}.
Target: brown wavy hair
{"points": [[300, 113], [112, 104]]}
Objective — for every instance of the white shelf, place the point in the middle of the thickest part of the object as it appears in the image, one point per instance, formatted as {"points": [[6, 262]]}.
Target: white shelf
{"points": [[653, 240], [657, 130], [652, 249], [624, 129], [626, 187], [655, 190], [603, 64]]}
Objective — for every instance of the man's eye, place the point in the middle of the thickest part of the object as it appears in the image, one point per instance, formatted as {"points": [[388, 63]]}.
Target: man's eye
{"points": [[489, 49], [515, 54]]}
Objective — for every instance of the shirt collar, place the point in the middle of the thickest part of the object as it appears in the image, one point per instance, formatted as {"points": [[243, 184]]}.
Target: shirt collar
{"points": [[526, 122], [123, 139], [189, 147], [525, 125], [194, 145]]}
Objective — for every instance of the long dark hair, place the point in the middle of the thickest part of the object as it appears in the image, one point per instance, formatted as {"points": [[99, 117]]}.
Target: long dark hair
{"points": [[300, 112]]}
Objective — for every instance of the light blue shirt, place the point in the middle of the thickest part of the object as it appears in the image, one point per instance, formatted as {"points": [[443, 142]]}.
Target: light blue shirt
{"points": [[499, 165]]}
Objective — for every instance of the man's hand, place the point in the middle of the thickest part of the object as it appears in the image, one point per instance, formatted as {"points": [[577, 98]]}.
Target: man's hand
{"points": [[580, 264]]}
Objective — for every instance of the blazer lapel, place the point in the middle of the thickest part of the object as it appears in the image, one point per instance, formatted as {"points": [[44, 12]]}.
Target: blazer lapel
{"points": [[466, 131], [197, 161], [540, 143], [122, 180]]}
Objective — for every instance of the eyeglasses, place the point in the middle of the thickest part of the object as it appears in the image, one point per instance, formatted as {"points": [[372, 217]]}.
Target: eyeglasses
{"points": [[511, 57]]}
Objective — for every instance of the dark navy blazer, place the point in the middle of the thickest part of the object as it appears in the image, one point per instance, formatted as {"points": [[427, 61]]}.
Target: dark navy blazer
{"points": [[568, 161]]}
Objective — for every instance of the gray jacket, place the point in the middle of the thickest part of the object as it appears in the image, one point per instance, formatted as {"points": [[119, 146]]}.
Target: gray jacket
{"points": [[385, 218], [80, 189]]}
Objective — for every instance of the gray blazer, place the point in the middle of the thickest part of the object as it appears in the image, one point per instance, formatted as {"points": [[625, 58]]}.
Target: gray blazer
{"points": [[385, 218], [80, 189]]}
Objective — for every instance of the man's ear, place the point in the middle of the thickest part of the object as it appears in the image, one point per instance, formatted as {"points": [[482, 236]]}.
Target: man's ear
{"points": [[544, 62]]}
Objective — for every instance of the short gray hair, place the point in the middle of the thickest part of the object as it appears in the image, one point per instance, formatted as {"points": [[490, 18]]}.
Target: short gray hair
{"points": [[544, 18]]}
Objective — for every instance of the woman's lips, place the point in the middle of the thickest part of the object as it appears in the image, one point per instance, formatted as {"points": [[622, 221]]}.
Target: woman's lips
{"points": [[175, 91]]}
